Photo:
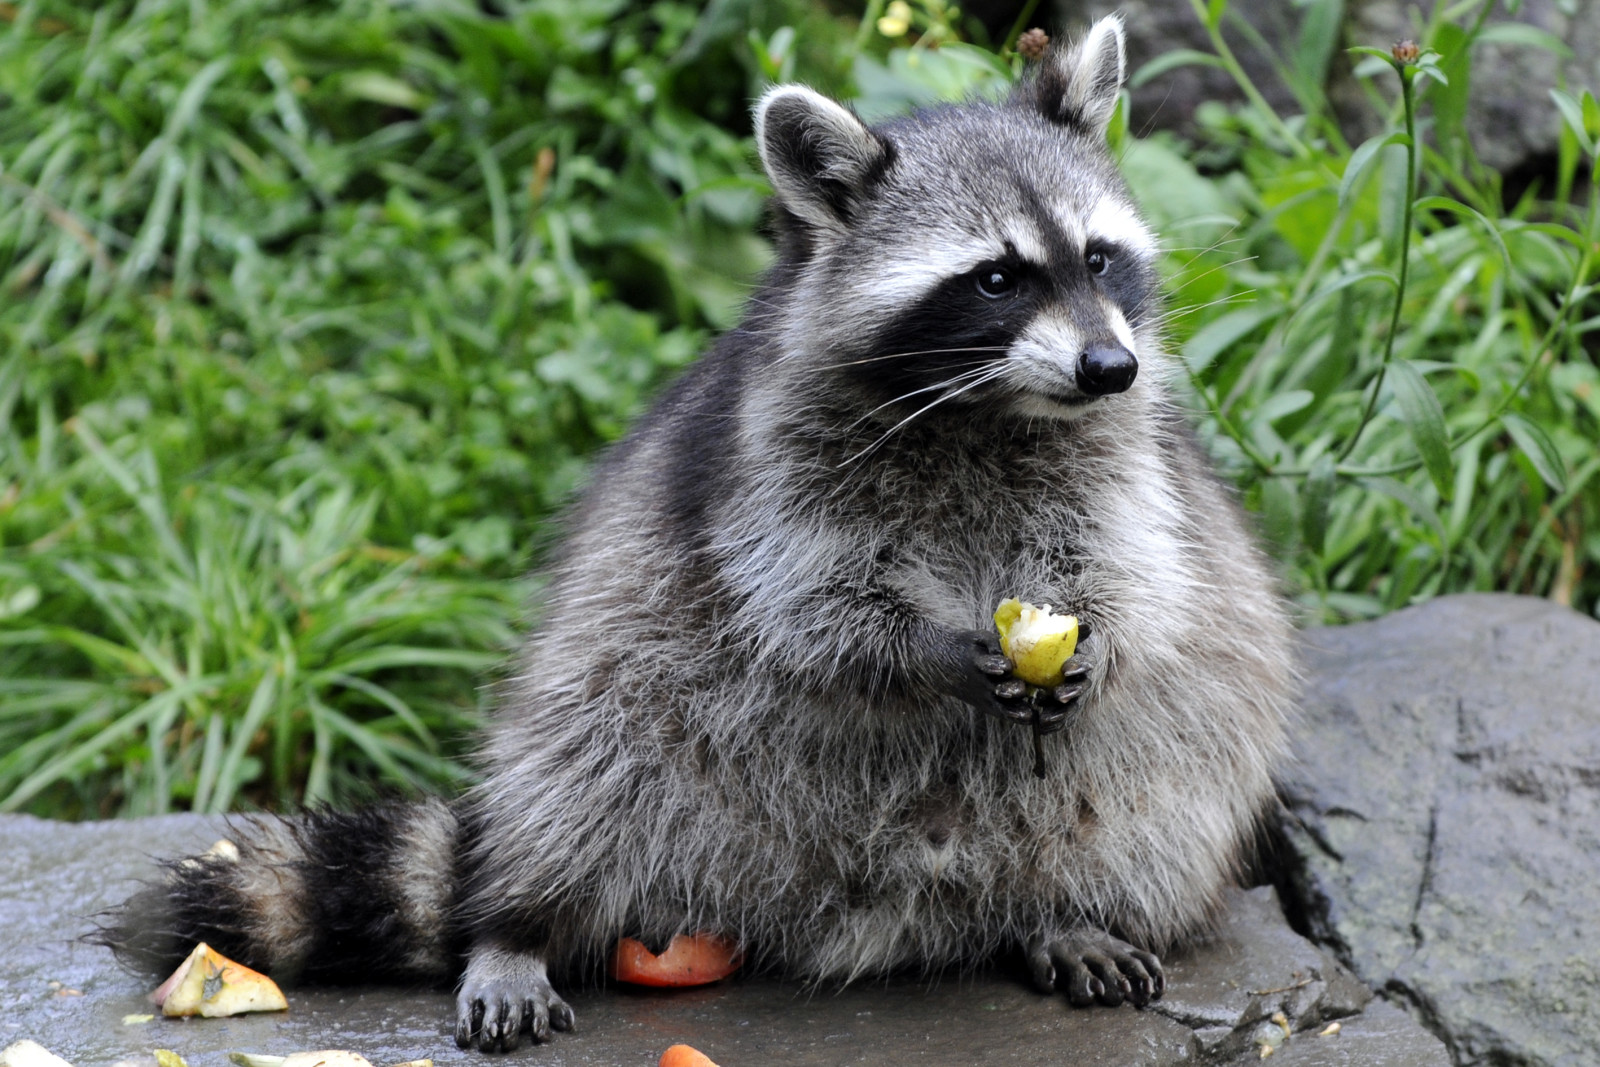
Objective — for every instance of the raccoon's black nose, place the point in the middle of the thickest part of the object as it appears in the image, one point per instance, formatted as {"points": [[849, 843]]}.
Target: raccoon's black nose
{"points": [[1105, 368]]}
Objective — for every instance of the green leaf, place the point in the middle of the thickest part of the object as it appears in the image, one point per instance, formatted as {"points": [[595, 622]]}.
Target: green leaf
{"points": [[1314, 44], [380, 88], [1524, 35], [1490, 227], [1418, 507], [1178, 57], [1362, 158], [1424, 419], [1214, 337], [1315, 500], [1449, 101], [1287, 403], [1573, 113], [1538, 447], [1279, 505], [1429, 67]]}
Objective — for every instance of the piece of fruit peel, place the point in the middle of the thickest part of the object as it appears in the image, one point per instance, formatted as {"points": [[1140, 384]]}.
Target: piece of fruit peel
{"points": [[1036, 640], [322, 1058], [209, 984], [685, 1056], [27, 1053], [688, 960]]}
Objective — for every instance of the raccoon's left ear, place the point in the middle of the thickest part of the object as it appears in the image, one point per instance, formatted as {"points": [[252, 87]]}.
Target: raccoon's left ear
{"points": [[820, 158], [1078, 87]]}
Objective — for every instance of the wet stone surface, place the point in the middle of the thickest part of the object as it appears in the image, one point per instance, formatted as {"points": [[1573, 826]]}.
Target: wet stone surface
{"points": [[1220, 1000], [1446, 819]]}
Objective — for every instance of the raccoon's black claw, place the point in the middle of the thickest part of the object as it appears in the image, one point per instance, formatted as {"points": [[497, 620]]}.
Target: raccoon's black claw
{"points": [[1058, 706], [988, 684], [503, 996], [994, 664], [1091, 966]]}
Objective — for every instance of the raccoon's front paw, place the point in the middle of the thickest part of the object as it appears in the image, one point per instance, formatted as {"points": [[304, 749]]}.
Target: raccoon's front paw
{"points": [[988, 684], [1090, 965], [1056, 705], [504, 995]]}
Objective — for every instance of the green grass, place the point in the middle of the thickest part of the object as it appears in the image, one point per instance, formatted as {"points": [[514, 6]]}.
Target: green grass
{"points": [[1391, 359], [311, 315]]}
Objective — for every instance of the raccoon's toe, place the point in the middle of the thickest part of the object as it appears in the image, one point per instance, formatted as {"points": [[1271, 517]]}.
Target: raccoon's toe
{"points": [[1091, 966], [988, 684], [1058, 705], [503, 996]]}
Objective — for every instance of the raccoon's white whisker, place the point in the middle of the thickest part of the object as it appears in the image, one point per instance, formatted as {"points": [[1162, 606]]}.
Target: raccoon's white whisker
{"points": [[1172, 314], [923, 352], [976, 369], [980, 380]]}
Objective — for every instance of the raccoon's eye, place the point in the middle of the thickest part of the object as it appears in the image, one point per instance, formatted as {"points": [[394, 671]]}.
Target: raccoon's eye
{"points": [[1097, 261], [995, 282]]}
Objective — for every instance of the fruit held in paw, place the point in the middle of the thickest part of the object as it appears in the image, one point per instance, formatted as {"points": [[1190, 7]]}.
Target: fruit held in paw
{"points": [[1036, 640], [690, 959], [208, 983]]}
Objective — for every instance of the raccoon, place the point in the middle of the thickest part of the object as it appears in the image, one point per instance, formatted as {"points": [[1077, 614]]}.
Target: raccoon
{"points": [[764, 700]]}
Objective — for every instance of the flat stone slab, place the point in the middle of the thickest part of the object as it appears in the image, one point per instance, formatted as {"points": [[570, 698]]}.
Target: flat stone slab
{"points": [[1446, 818], [72, 999]]}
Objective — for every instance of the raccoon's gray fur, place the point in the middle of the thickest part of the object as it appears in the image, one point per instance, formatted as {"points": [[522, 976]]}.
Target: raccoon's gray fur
{"points": [[750, 706]]}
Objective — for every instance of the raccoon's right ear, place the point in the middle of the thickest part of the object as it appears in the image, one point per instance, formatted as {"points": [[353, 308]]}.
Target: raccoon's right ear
{"points": [[1079, 87], [820, 158]]}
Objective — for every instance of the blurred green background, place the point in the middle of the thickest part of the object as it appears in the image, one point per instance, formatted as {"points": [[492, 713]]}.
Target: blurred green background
{"points": [[311, 316]]}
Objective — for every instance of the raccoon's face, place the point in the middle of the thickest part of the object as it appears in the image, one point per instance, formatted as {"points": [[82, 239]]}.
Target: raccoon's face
{"points": [[982, 254]]}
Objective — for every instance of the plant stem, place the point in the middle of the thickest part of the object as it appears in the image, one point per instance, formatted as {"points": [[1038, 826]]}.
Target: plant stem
{"points": [[1573, 297], [1231, 64], [1409, 96], [869, 22], [1017, 27]]}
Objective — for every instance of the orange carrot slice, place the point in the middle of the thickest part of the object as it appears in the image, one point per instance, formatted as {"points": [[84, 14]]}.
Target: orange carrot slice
{"points": [[684, 1056], [690, 959]]}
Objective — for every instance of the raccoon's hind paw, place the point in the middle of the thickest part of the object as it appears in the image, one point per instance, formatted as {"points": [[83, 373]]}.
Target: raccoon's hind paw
{"points": [[504, 995], [988, 684], [1090, 965]]}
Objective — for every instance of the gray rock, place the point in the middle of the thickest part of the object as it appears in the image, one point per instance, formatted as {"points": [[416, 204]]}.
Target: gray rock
{"points": [[1382, 1036], [1228, 989], [1448, 807], [72, 999]]}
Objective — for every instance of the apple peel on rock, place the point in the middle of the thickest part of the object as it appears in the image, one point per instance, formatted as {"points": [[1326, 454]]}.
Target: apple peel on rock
{"points": [[688, 960], [209, 984]]}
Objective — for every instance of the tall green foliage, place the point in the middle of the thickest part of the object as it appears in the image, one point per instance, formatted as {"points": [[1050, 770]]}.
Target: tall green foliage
{"points": [[1391, 358], [311, 314]]}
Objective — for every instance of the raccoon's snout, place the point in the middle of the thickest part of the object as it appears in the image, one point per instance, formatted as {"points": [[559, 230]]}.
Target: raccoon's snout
{"points": [[1105, 367]]}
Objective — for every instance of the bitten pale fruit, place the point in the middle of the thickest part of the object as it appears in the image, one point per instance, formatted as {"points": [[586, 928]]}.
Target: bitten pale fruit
{"points": [[210, 984], [1036, 640]]}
